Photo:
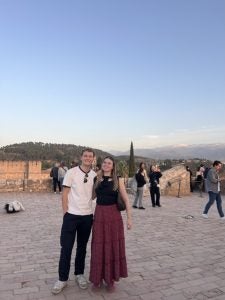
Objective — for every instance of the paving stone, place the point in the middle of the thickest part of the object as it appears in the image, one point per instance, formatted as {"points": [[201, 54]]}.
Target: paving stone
{"points": [[169, 257]]}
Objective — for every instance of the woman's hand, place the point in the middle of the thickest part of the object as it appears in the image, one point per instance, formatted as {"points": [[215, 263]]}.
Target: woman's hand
{"points": [[129, 223]]}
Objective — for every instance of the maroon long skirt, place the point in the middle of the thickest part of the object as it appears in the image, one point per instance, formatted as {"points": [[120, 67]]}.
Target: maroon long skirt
{"points": [[108, 259]]}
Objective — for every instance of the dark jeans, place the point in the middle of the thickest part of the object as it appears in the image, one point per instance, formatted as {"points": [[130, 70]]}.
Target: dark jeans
{"points": [[212, 198], [72, 225], [155, 195], [55, 183]]}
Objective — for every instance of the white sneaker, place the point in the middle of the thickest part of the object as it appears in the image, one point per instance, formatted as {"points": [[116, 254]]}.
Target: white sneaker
{"points": [[205, 216], [58, 287], [82, 281], [222, 218]]}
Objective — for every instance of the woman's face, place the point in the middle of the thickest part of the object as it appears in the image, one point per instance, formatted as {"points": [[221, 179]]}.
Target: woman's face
{"points": [[107, 165]]}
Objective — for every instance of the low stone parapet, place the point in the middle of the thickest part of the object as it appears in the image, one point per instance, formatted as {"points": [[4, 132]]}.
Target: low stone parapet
{"points": [[30, 185]]}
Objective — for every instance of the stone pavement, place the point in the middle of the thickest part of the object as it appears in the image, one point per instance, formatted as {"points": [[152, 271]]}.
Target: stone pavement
{"points": [[169, 257]]}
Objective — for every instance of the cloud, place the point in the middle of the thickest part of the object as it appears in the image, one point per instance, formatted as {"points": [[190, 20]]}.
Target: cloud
{"points": [[150, 136]]}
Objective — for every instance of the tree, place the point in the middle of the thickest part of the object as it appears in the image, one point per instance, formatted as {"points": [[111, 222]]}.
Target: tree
{"points": [[122, 168], [131, 161], [99, 162]]}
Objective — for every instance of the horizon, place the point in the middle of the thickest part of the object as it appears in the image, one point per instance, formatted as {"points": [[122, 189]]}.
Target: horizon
{"points": [[123, 151], [107, 73]]}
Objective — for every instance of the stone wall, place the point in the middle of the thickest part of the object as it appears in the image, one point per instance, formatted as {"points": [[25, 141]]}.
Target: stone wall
{"points": [[174, 182], [23, 176]]}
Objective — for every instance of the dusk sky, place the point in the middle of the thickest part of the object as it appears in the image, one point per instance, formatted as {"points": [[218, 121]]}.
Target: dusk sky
{"points": [[101, 73]]}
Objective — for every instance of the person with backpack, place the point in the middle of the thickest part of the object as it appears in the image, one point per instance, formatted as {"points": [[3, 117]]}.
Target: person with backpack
{"points": [[54, 174]]}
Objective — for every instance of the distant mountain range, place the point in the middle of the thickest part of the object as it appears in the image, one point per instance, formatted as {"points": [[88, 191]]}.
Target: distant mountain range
{"points": [[202, 151], [68, 152]]}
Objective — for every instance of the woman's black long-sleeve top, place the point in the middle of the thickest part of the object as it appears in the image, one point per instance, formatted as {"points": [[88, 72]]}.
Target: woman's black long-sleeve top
{"points": [[154, 177]]}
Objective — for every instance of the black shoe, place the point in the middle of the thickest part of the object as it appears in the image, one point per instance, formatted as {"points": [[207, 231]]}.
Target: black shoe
{"points": [[141, 207], [134, 206], [153, 205], [159, 205]]}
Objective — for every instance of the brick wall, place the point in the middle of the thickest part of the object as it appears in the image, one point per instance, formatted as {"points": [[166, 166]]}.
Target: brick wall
{"points": [[23, 176]]}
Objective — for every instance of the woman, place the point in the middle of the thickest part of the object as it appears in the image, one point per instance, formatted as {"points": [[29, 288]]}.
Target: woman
{"points": [[141, 178], [154, 176], [108, 259], [199, 180], [61, 173]]}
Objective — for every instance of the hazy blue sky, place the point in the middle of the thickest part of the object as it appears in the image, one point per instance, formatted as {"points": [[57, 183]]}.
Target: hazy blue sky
{"points": [[101, 73]]}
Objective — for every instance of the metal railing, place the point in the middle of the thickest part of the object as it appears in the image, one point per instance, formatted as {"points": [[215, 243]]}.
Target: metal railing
{"points": [[175, 180]]}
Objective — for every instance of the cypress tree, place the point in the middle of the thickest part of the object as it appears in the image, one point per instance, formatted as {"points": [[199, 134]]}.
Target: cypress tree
{"points": [[131, 161]]}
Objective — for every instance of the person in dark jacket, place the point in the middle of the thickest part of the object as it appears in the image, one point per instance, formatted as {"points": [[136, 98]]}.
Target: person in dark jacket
{"points": [[154, 176], [55, 177], [141, 178]]}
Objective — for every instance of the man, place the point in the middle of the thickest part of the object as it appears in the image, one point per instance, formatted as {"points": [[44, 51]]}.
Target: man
{"points": [[55, 177], [213, 185], [77, 220]]}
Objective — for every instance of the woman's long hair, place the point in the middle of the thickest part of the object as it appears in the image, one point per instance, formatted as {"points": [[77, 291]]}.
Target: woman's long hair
{"points": [[113, 175], [141, 167], [151, 169]]}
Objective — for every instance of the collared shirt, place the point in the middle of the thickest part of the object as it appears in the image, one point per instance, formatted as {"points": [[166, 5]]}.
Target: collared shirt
{"points": [[80, 194]]}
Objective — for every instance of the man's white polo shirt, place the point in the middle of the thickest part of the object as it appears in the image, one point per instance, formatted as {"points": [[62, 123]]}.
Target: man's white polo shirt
{"points": [[79, 197]]}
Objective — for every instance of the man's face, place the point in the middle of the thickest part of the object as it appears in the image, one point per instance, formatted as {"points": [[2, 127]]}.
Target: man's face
{"points": [[218, 167], [87, 158]]}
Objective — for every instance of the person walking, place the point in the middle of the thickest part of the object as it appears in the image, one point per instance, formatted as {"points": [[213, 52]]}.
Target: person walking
{"points": [[108, 259], [141, 178], [213, 186], [154, 176], [77, 220]]}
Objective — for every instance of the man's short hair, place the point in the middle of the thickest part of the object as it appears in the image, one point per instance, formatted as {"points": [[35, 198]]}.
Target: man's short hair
{"points": [[87, 150], [216, 163]]}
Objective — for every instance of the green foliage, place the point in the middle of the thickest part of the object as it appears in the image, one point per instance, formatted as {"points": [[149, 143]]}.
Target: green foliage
{"points": [[45, 152], [99, 161], [122, 168], [165, 165], [46, 165], [131, 161]]}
